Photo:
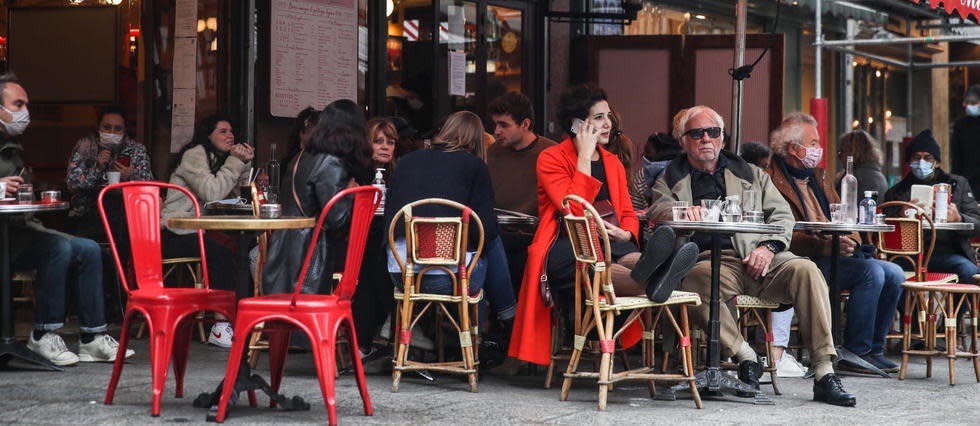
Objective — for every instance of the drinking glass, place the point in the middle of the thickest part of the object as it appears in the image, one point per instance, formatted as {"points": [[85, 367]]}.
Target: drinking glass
{"points": [[25, 193], [837, 213], [679, 209], [710, 210]]}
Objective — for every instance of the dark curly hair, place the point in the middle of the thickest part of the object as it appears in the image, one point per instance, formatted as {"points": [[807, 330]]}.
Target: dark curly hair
{"points": [[341, 130], [576, 102]]}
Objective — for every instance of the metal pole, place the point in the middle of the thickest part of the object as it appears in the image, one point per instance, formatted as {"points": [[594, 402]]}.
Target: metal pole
{"points": [[882, 59], [849, 78], [818, 62], [899, 40], [908, 83], [945, 64], [741, 8]]}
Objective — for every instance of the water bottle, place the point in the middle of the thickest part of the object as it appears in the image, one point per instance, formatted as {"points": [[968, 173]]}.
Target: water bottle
{"points": [[940, 213], [867, 209], [848, 193], [379, 182], [272, 169]]}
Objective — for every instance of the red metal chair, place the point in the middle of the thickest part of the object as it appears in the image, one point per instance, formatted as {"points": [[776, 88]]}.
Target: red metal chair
{"points": [[319, 316], [169, 312]]}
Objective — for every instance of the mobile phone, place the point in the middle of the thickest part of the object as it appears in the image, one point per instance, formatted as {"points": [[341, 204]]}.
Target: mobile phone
{"points": [[124, 161], [576, 125]]}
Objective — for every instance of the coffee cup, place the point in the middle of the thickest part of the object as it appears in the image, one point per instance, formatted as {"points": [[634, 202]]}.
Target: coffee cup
{"points": [[113, 177]]}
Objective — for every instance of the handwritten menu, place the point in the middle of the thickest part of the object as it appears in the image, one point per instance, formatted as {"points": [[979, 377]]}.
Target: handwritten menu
{"points": [[314, 54]]}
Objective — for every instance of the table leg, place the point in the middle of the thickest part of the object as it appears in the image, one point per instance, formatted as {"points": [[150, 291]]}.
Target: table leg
{"points": [[711, 381], [836, 314], [10, 348], [243, 283]]}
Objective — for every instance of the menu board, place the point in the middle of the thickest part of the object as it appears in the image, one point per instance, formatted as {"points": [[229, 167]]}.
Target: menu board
{"points": [[314, 54]]}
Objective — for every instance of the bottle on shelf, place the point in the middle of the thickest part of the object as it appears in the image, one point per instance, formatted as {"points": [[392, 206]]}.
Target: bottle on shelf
{"points": [[866, 211], [848, 193]]}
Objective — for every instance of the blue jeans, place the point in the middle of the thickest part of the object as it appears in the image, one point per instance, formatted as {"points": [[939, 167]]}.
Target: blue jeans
{"points": [[443, 283], [875, 287], [954, 264], [500, 291], [53, 256]]}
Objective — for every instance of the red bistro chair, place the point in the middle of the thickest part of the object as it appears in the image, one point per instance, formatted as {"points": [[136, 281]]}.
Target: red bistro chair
{"points": [[319, 316], [169, 312]]}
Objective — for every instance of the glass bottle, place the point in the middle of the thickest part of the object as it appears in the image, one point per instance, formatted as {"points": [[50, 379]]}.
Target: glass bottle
{"points": [[848, 193], [272, 169]]}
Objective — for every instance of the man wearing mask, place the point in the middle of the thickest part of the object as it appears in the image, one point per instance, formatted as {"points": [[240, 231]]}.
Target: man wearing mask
{"points": [[965, 143], [874, 285], [753, 264], [52, 254], [952, 253]]}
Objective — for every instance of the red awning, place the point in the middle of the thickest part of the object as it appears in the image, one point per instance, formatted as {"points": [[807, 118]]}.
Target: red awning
{"points": [[964, 7]]}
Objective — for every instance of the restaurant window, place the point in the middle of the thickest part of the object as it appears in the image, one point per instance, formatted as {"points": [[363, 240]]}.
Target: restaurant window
{"points": [[505, 38], [458, 38], [409, 90]]}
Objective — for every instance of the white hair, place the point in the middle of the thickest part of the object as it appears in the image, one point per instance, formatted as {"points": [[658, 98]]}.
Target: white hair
{"points": [[685, 115], [790, 130]]}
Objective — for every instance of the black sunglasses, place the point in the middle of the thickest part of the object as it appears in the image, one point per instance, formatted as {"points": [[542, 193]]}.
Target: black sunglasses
{"points": [[712, 132]]}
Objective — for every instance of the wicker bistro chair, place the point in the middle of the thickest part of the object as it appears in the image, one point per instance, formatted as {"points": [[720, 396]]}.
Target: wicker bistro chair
{"points": [[436, 243], [907, 242], [596, 306], [933, 294], [756, 311]]}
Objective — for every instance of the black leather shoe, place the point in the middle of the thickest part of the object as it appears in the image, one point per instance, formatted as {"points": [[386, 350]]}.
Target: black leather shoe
{"points": [[668, 277], [658, 248], [749, 373], [830, 390], [880, 362]]}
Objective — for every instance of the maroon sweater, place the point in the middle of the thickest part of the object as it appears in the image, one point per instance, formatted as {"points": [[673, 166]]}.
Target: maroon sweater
{"points": [[514, 175]]}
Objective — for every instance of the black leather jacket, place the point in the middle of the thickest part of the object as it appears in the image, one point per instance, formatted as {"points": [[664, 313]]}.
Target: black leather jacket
{"points": [[316, 178]]}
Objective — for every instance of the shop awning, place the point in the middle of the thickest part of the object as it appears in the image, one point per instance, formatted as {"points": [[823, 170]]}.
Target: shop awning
{"points": [[964, 7]]}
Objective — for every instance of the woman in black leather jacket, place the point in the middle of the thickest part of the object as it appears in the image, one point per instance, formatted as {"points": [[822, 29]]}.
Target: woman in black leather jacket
{"points": [[333, 156]]}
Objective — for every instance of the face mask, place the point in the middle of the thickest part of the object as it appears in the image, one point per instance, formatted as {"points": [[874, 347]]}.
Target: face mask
{"points": [[973, 110], [110, 139], [18, 122], [921, 169], [812, 157]]}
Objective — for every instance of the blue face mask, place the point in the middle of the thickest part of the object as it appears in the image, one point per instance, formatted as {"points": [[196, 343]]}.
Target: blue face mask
{"points": [[921, 169], [973, 110]]}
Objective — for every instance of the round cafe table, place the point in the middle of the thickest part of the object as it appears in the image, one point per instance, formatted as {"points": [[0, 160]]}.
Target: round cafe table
{"points": [[712, 381], [836, 230], [247, 226], [10, 348], [949, 226]]}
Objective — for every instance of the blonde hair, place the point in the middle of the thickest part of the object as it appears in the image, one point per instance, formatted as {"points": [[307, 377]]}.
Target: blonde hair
{"points": [[790, 130], [685, 115], [463, 131], [862, 146]]}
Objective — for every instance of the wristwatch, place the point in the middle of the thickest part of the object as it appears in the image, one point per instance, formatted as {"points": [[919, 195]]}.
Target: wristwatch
{"points": [[773, 246]]}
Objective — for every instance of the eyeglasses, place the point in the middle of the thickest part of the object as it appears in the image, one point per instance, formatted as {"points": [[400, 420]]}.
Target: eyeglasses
{"points": [[713, 132]]}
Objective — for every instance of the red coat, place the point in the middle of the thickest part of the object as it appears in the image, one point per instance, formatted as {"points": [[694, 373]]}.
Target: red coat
{"points": [[558, 177]]}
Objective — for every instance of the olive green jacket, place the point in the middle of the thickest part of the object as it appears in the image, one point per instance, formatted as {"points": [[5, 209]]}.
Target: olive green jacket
{"points": [[674, 184]]}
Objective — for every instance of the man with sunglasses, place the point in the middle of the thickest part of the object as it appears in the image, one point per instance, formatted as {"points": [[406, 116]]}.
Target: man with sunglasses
{"points": [[753, 264], [952, 252]]}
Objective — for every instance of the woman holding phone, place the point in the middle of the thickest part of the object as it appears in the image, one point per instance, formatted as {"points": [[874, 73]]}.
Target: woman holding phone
{"points": [[582, 166], [210, 166], [95, 156]]}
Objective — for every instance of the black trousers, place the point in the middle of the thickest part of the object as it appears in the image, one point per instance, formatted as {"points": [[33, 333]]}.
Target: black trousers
{"points": [[373, 301]]}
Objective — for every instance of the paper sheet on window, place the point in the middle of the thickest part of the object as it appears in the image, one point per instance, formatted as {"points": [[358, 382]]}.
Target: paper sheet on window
{"points": [[182, 118], [314, 54], [184, 95], [185, 18], [457, 73]]}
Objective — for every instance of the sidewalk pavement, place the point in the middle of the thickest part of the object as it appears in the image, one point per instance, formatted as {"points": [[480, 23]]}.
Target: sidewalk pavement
{"points": [[75, 397]]}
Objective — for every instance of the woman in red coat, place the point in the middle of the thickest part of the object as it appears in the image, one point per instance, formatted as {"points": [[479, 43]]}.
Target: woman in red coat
{"points": [[580, 165]]}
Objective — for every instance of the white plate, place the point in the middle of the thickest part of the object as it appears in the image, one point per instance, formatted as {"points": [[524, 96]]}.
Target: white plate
{"points": [[8, 198]]}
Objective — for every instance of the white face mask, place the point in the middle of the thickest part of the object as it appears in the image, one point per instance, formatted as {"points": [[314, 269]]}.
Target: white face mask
{"points": [[18, 121], [812, 157], [973, 110], [110, 139]]}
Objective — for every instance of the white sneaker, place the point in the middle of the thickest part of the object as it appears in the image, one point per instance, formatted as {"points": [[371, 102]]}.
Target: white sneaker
{"points": [[221, 334], [52, 347], [102, 349], [788, 366]]}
